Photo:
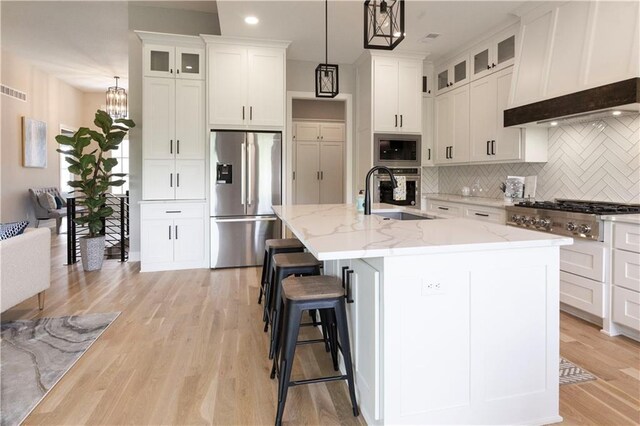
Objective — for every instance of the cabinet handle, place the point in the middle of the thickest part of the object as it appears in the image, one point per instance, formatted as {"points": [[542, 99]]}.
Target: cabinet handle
{"points": [[169, 231], [344, 274], [171, 70], [317, 175], [488, 143], [176, 232], [171, 146], [493, 147], [347, 294], [173, 211], [178, 146], [171, 180], [177, 70], [243, 112], [400, 120], [428, 91], [178, 180], [493, 65], [396, 121], [488, 67], [429, 153], [321, 175], [294, 175], [477, 214], [443, 208], [451, 152], [250, 113]]}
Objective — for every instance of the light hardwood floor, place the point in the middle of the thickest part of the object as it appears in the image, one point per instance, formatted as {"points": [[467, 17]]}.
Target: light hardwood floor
{"points": [[188, 348]]}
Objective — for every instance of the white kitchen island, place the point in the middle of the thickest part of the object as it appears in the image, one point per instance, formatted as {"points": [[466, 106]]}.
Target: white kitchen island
{"points": [[452, 321]]}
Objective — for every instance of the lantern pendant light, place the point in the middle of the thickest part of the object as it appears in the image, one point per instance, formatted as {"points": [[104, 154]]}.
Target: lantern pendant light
{"points": [[326, 74], [116, 101], [383, 24]]}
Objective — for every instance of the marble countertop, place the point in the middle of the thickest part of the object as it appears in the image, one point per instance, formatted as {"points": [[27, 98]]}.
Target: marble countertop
{"points": [[338, 231], [478, 201], [623, 218]]}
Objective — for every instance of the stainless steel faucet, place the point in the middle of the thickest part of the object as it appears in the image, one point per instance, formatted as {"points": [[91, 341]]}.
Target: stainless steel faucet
{"points": [[367, 191]]}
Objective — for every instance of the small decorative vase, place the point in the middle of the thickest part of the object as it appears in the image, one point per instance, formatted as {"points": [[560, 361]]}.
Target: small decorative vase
{"points": [[92, 252]]}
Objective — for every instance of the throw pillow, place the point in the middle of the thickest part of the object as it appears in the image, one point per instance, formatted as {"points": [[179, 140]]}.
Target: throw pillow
{"points": [[8, 230], [58, 202], [47, 201]]}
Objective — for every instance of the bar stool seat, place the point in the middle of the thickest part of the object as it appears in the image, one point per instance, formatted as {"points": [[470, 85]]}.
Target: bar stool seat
{"points": [[299, 294], [284, 243], [295, 260]]}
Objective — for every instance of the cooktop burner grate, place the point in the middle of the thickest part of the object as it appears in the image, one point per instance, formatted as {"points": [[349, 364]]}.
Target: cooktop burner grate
{"points": [[587, 207]]}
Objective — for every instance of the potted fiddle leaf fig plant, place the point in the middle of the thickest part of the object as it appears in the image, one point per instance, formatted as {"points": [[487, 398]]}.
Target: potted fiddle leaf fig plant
{"points": [[93, 178]]}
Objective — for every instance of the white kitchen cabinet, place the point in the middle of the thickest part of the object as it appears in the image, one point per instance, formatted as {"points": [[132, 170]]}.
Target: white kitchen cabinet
{"points": [[452, 126], [585, 258], [319, 172], [582, 293], [397, 99], [494, 54], [626, 237], [319, 162], [171, 61], [428, 115], [452, 74], [172, 236], [444, 208], [490, 140], [428, 86], [467, 210], [246, 83], [626, 307], [173, 116], [626, 275], [567, 47]]}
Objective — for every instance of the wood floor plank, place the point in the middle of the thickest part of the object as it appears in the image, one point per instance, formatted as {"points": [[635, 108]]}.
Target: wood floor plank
{"points": [[188, 348]]}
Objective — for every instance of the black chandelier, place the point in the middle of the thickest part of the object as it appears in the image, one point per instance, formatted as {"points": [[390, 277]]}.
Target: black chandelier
{"points": [[326, 74], [383, 24]]}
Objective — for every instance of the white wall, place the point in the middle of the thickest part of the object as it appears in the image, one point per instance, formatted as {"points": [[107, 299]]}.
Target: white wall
{"points": [[318, 109], [49, 100], [146, 18]]}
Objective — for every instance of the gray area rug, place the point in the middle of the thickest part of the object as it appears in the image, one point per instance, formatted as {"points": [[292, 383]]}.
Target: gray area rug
{"points": [[571, 374], [37, 353]]}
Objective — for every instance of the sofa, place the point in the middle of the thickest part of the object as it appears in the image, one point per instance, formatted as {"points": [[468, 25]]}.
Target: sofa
{"points": [[25, 267]]}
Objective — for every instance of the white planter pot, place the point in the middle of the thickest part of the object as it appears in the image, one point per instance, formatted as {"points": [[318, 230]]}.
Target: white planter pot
{"points": [[92, 252]]}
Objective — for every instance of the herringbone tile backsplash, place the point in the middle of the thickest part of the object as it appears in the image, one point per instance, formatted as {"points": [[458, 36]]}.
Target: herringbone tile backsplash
{"points": [[588, 161]]}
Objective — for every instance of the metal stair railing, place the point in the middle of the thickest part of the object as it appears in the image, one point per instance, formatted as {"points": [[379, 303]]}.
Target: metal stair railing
{"points": [[115, 228]]}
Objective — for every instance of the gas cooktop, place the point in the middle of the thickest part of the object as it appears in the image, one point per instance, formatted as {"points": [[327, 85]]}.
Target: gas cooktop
{"points": [[587, 207], [573, 218]]}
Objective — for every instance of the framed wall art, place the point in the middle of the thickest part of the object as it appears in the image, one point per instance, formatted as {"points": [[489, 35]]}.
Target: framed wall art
{"points": [[34, 143]]}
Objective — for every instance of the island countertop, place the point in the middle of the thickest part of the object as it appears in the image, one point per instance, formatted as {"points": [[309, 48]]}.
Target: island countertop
{"points": [[339, 231]]}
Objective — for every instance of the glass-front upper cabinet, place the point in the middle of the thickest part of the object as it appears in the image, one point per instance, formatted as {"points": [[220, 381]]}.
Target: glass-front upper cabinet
{"points": [[494, 55], [173, 62], [453, 74]]}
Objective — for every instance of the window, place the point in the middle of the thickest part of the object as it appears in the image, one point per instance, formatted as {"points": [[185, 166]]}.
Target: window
{"points": [[65, 176], [122, 154]]}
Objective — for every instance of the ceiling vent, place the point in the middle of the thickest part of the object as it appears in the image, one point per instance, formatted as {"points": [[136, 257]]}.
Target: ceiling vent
{"points": [[13, 93], [429, 37]]}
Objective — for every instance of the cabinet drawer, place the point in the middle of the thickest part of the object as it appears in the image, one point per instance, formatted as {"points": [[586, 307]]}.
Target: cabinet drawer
{"points": [[485, 214], [445, 209], [626, 237], [584, 258], [582, 293], [172, 211], [626, 269], [626, 307]]}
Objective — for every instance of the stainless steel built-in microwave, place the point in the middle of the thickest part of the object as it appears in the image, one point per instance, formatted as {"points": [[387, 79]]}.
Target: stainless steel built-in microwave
{"points": [[397, 150]]}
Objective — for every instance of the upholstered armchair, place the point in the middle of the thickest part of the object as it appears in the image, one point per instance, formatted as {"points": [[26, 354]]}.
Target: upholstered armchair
{"points": [[43, 210]]}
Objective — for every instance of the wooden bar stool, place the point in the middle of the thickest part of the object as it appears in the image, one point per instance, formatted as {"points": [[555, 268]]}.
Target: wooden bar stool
{"points": [[274, 246], [300, 294], [283, 265]]}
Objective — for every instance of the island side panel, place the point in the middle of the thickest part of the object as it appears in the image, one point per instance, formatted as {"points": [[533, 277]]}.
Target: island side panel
{"points": [[471, 338]]}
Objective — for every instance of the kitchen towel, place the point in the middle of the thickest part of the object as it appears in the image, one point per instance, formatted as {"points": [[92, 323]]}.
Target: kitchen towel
{"points": [[400, 192]]}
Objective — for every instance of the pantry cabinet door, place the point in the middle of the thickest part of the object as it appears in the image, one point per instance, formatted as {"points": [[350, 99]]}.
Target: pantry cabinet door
{"points": [[158, 116], [410, 96], [158, 180], [307, 178], [190, 179], [190, 138], [332, 171], [156, 240], [189, 241]]}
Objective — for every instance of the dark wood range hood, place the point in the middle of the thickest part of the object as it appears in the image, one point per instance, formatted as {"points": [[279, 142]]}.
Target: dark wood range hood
{"points": [[622, 94]]}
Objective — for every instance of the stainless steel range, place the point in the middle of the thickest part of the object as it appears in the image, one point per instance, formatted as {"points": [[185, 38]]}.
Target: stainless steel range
{"points": [[573, 218]]}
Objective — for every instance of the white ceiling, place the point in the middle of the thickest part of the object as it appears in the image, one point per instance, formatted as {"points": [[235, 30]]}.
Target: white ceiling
{"points": [[85, 43], [302, 22]]}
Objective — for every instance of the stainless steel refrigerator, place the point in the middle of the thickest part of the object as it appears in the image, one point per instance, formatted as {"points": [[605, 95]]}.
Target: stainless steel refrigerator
{"points": [[246, 180]]}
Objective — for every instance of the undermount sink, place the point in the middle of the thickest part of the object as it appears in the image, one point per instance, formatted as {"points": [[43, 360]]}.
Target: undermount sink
{"points": [[401, 216]]}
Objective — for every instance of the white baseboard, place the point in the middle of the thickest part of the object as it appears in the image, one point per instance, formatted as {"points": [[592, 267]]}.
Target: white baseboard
{"points": [[134, 256]]}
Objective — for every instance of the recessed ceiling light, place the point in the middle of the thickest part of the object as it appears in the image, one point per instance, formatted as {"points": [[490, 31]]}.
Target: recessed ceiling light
{"points": [[616, 113], [251, 20], [554, 123]]}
